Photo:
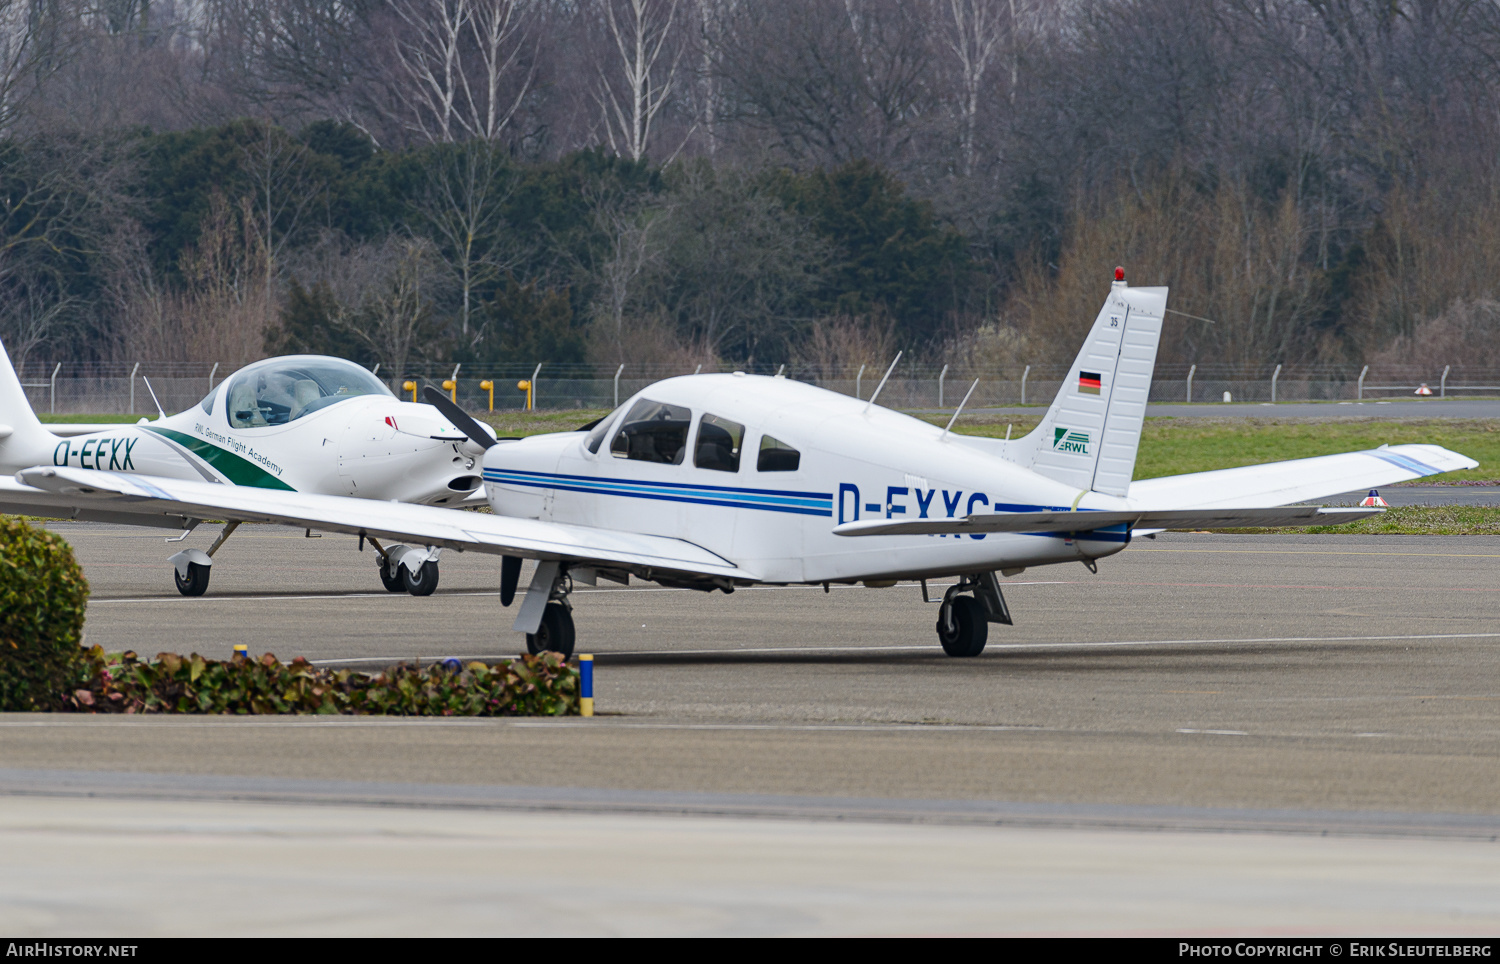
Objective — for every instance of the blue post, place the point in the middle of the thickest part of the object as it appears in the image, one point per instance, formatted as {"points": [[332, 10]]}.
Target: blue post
{"points": [[586, 684]]}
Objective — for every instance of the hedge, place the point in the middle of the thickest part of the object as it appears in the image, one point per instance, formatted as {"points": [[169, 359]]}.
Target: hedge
{"points": [[42, 599], [541, 685]]}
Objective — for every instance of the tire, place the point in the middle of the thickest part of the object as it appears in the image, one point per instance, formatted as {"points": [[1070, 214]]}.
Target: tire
{"points": [[555, 634], [423, 582], [970, 628], [196, 583], [391, 583]]}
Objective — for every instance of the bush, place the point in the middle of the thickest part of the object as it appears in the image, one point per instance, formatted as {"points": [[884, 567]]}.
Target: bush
{"points": [[123, 683], [42, 599]]}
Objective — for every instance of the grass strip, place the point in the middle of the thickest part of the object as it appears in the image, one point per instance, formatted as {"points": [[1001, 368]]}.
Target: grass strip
{"points": [[1407, 520]]}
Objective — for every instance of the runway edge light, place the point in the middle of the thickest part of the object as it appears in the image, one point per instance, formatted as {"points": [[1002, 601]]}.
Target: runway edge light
{"points": [[585, 684], [1374, 499]]}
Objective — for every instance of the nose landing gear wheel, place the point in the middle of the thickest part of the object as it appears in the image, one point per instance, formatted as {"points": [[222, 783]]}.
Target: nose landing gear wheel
{"points": [[391, 582], [196, 582], [555, 634], [423, 582], [962, 627]]}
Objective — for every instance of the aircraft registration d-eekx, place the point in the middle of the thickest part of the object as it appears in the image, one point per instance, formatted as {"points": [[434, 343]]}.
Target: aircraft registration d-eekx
{"points": [[295, 424], [731, 480]]}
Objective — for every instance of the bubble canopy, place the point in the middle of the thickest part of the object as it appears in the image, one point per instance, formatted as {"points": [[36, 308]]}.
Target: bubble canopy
{"points": [[281, 390]]}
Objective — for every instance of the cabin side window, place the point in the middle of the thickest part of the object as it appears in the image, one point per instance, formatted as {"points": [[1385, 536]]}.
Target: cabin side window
{"points": [[718, 446], [653, 432], [777, 456], [598, 431]]}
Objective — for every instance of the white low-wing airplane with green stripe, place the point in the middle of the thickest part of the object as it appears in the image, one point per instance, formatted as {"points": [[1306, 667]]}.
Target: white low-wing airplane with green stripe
{"points": [[290, 425], [730, 480]]}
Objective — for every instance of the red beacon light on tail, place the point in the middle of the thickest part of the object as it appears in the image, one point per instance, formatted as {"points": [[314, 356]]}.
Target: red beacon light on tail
{"points": [[1119, 275]]}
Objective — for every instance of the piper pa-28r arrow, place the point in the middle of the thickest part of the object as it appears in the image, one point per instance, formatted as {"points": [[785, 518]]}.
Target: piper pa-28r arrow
{"points": [[294, 424], [730, 480]]}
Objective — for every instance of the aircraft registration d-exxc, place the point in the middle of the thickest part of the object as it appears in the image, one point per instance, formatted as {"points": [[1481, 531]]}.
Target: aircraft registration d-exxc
{"points": [[730, 480]]}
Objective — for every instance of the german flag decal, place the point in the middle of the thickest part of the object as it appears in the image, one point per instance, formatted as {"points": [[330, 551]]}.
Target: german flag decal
{"points": [[1088, 383]]}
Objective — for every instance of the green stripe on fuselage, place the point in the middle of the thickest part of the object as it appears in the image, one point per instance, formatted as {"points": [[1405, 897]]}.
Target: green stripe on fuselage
{"points": [[239, 470]]}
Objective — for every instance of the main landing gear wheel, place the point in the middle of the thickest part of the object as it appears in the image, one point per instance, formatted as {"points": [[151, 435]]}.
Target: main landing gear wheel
{"points": [[962, 627], [423, 581], [196, 581], [391, 581], [555, 634]]}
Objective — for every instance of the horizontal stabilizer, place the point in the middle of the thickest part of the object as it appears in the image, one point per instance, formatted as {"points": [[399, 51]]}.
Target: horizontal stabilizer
{"points": [[1085, 520], [1298, 480]]}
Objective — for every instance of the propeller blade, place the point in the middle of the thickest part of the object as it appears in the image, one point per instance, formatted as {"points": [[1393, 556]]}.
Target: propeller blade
{"points": [[458, 417]]}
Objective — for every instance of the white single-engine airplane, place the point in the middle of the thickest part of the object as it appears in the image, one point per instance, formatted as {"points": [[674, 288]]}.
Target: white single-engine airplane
{"points": [[294, 424], [722, 481]]}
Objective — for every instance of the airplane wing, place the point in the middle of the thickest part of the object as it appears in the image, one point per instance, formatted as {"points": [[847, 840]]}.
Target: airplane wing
{"points": [[145, 500], [1279, 483], [1084, 520], [1248, 497]]}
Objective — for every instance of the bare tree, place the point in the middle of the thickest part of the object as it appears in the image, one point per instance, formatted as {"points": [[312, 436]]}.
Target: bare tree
{"points": [[466, 191], [34, 41], [633, 252], [457, 57], [285, 187], [831, 80], [633, 93]]}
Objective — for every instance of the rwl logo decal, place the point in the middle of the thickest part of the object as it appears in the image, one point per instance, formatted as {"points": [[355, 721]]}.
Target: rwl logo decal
{"points": [[1070, 440]]}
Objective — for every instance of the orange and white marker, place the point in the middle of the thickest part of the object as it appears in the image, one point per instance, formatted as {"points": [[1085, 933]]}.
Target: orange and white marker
{"points": [[1374, 499]]}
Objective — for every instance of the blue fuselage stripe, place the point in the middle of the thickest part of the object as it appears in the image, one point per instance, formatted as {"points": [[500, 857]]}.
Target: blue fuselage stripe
{"points": [[770, 500]]}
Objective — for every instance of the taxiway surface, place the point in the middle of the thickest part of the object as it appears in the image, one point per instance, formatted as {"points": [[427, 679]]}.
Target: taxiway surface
{"points": [[1308, 685]]}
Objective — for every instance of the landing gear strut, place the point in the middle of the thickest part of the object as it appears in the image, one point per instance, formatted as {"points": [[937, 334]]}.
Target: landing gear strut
{"points": [[964, 621], [546, 616], [194, 565]]}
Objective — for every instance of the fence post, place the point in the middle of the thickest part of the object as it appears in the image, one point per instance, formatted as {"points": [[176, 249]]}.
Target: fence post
{"points": [[1443, 385], [132, 388], [530, 395], [859, 377], [1274, 375], [617, 383], [1191, 369], [54, 387], [1361, 396], [211, 376], [1023, 384], [941, 375]]}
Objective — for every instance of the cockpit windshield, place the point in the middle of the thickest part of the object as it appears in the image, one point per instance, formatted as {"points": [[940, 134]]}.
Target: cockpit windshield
{"points": [[282, 390]]}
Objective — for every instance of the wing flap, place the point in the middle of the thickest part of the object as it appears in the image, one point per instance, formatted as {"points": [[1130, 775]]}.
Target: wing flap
{"points": [[1089, 520], [145, 500]]}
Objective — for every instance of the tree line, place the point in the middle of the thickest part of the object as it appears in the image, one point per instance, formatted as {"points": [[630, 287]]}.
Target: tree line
{"points": [[681, 182]]}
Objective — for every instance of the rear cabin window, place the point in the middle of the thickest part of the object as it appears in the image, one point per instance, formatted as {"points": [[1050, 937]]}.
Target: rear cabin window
{"points": [[777, 456], [718, 445], [653, 432]]}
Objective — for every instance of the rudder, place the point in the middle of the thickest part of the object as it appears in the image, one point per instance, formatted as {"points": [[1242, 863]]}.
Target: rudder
{"points": [[24, 442], [1090, 436]]}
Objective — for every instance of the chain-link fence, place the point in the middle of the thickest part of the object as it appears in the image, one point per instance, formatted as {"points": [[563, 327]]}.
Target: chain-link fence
{"points": [[64, 390]]}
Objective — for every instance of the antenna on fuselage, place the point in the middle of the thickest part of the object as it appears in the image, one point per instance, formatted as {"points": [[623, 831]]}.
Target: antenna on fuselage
{"points": [[153, 397], [876, 393], [960, 408]]}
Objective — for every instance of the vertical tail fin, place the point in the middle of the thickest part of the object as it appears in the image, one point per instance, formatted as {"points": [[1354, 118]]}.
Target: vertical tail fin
{"points": [[1090, 435], [23, 440]]}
